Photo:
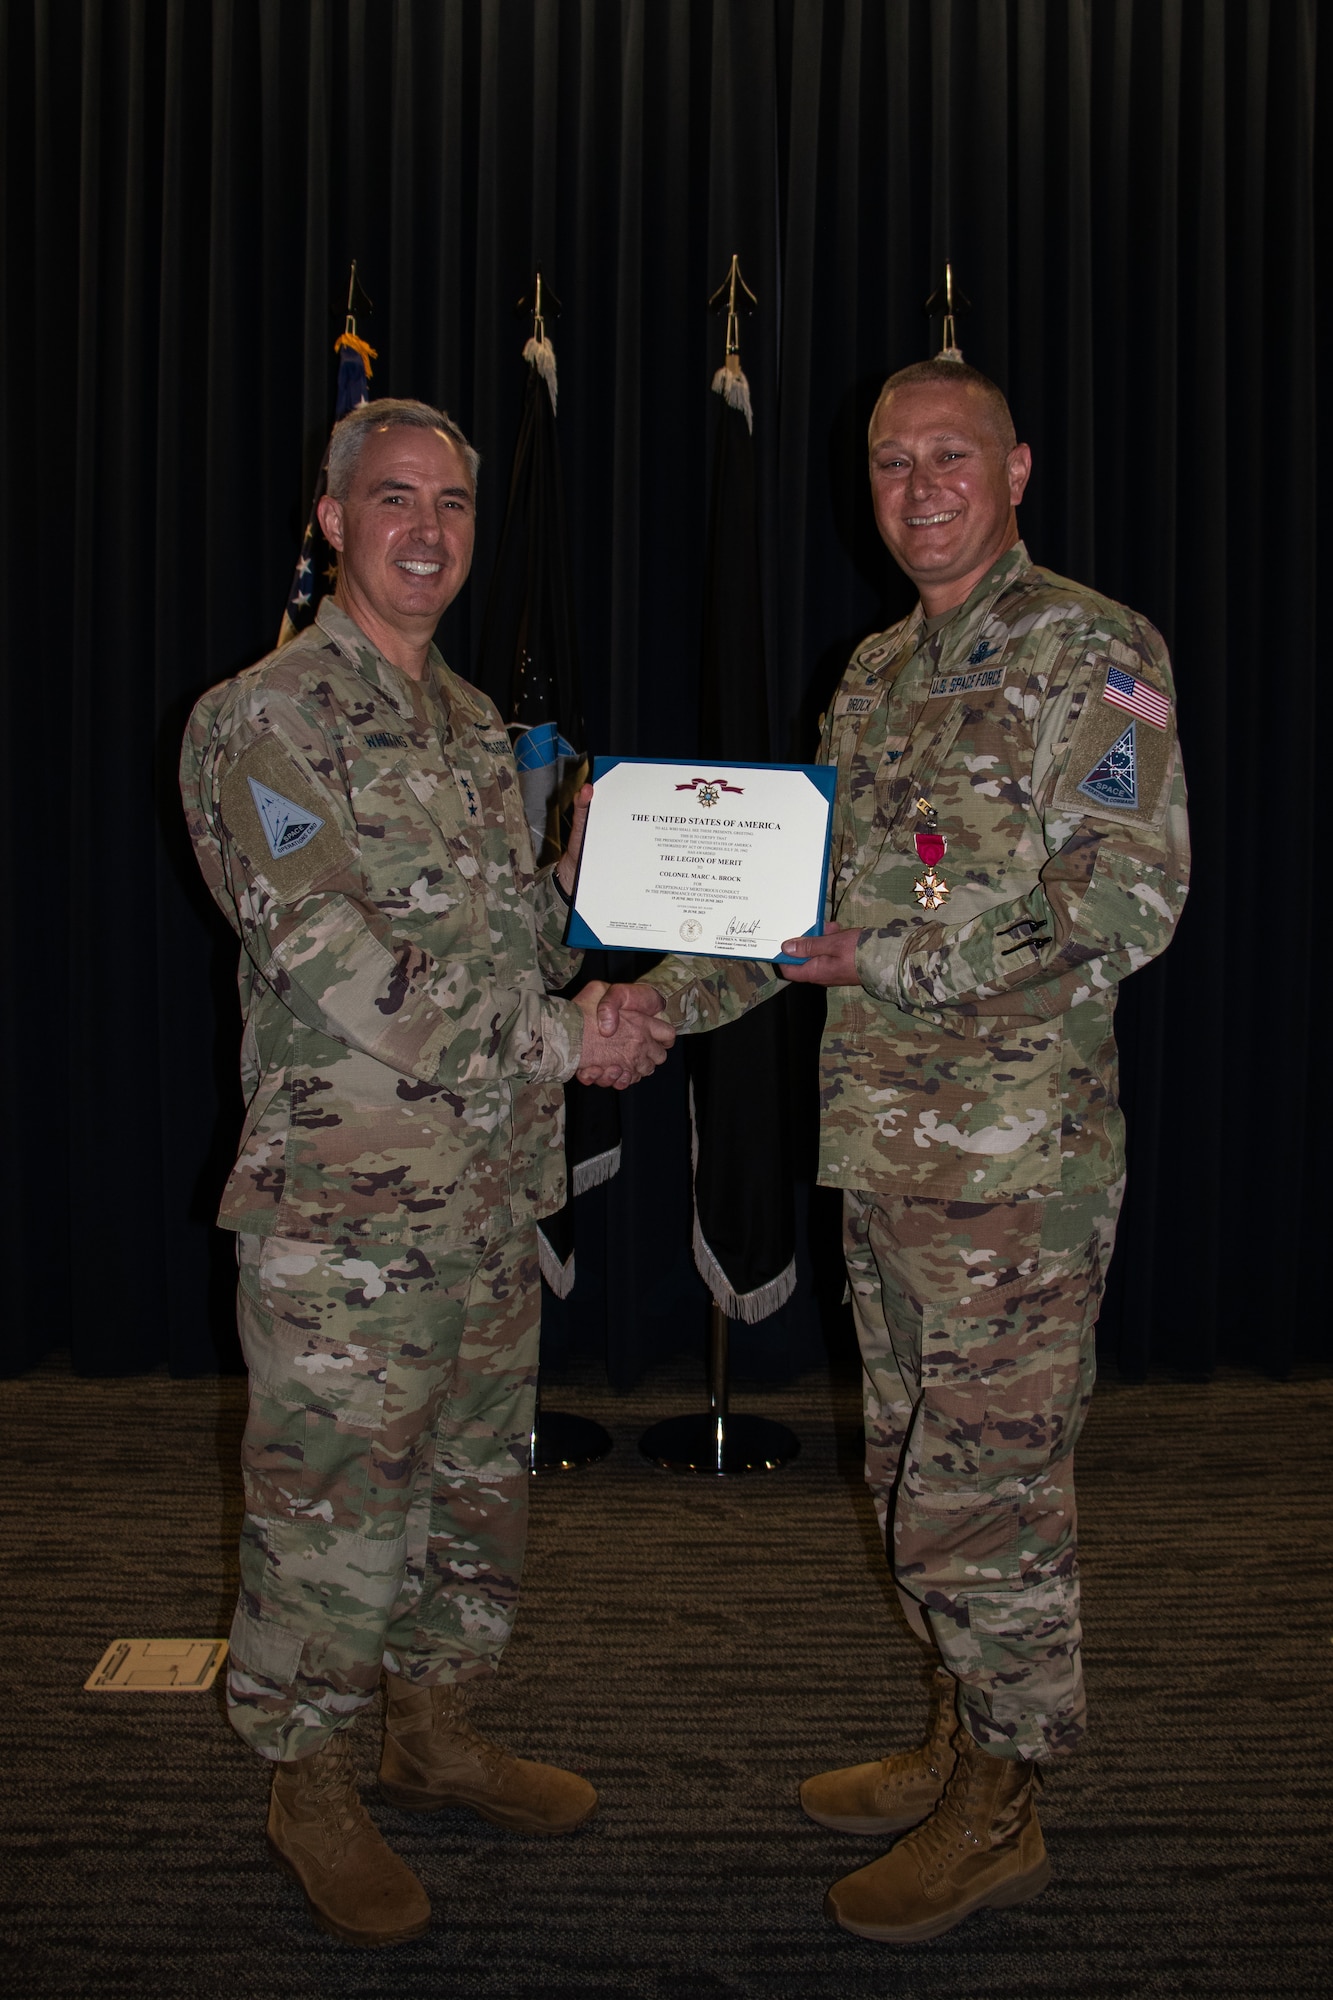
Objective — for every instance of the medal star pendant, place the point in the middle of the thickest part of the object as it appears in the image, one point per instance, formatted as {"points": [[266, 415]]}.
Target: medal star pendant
{"points": [[930, 891], [931, 847]]}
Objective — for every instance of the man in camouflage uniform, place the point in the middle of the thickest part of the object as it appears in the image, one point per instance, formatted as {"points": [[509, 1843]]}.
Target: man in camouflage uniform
{"points": [[1009, 841], [357, 816]]}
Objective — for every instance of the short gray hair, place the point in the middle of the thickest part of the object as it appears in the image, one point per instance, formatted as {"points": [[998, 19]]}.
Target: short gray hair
{"points": [[956, 375], [388, 412]]}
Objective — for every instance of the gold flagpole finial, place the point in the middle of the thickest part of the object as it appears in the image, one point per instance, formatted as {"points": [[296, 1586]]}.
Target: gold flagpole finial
{"points": [[358, 299], [539, 300], [349, 337], [951, 305], [734, 297]]}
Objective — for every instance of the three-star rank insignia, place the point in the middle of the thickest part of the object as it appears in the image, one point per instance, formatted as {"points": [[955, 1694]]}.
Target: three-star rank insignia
{"points": [[931, 847]]}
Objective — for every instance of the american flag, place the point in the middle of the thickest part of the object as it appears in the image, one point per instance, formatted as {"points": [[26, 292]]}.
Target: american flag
{"points": [[316, 568], [1127, 692]]}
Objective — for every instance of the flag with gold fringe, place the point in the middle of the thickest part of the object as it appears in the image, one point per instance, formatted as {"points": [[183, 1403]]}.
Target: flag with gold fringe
{"points": [[528, 664], [744, 1218]]}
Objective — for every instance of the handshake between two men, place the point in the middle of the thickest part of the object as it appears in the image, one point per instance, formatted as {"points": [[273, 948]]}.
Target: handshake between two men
{"points": [[629, 1039], [633, 1034]]}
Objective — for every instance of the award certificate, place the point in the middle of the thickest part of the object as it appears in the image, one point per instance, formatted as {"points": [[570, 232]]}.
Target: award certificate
{"points": [[725, 860]]}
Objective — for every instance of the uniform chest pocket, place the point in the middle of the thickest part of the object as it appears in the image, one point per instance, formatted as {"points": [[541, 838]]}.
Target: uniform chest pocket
{"points": [[417, 864], [387, 794], [899, 784], [456, 811]]}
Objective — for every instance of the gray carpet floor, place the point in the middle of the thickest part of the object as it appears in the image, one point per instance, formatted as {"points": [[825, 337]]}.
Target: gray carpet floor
{"points": [[695, 1647]]}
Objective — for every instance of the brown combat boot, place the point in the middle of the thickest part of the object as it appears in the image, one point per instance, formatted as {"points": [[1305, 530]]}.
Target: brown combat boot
{"points": [[320, 1834], [981, 1848], [433, 1758], [895, 1792]]}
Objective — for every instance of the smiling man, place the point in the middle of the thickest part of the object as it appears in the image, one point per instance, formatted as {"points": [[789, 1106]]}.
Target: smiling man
{"points": [[356, 813], [1009, 842]]}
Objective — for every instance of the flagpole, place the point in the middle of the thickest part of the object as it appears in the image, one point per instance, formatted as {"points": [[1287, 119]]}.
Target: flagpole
{"points": [[720, 1443], [561, 1442], [528, 664], [316, 566], [948, 303]]}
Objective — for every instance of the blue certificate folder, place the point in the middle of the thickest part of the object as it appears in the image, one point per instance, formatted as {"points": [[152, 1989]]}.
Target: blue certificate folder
{"points": [[823, 777]]}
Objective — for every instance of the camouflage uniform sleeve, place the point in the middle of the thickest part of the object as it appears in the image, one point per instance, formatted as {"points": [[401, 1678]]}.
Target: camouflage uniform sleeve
{"points": [[557, 962], [313, 932], [1108, 896], [703, 993]]}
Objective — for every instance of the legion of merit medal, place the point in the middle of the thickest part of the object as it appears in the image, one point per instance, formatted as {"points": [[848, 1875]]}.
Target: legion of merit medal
{"points": [[931, 848]]}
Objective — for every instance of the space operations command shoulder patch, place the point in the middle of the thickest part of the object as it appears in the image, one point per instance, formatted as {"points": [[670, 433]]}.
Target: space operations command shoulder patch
{"points": [[276, 820], [1114, 778], [287, 827]]}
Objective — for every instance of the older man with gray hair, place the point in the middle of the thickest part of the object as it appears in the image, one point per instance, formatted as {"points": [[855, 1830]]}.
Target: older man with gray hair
{"points": [[356, 813]]}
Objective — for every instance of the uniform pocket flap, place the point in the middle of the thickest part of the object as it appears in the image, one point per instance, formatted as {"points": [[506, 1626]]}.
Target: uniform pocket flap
{"points": [[266, 1649]]}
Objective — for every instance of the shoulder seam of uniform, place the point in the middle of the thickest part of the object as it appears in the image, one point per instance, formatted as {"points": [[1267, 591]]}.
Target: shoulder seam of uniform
{"points": [[891, 633], [1097, 600], [283, 669]]}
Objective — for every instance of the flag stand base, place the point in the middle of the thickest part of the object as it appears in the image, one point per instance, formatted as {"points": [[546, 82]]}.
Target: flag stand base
{"points": [[560, 1442], [719, 1443]]}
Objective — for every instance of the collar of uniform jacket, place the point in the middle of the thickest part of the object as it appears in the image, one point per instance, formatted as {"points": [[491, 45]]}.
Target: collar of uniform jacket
{"points": [[962, 634], [370, 663]]}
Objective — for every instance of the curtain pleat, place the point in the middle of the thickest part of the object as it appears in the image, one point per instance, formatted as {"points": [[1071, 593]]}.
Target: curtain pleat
{"points": [[1127, 193]]}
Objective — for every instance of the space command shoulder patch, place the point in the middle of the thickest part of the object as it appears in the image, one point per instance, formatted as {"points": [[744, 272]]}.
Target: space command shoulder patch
{"points": [[1114, 779], [287, 827], [276, 822]]}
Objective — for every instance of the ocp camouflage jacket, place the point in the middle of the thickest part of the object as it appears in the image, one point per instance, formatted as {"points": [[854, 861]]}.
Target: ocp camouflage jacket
{"points": [[1034, 731], [402, 1059]]}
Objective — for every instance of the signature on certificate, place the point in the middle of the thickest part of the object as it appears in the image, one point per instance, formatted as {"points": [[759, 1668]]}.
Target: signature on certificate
{"points": [[741, 927]]}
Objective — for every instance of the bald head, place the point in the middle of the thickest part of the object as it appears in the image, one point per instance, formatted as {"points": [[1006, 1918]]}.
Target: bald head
{"points": [[986, 397]]}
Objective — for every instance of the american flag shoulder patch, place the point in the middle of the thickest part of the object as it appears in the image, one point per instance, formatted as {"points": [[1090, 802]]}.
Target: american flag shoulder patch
{"points": [[1139, 697]]}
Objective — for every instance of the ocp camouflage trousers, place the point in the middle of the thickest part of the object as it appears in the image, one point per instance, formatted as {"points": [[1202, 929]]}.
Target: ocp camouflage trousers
{"points": [[976, 1323], [385, 1466]]}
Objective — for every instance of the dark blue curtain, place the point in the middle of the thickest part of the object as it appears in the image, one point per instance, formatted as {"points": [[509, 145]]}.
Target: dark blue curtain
{"points": [[1127, 192]]}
